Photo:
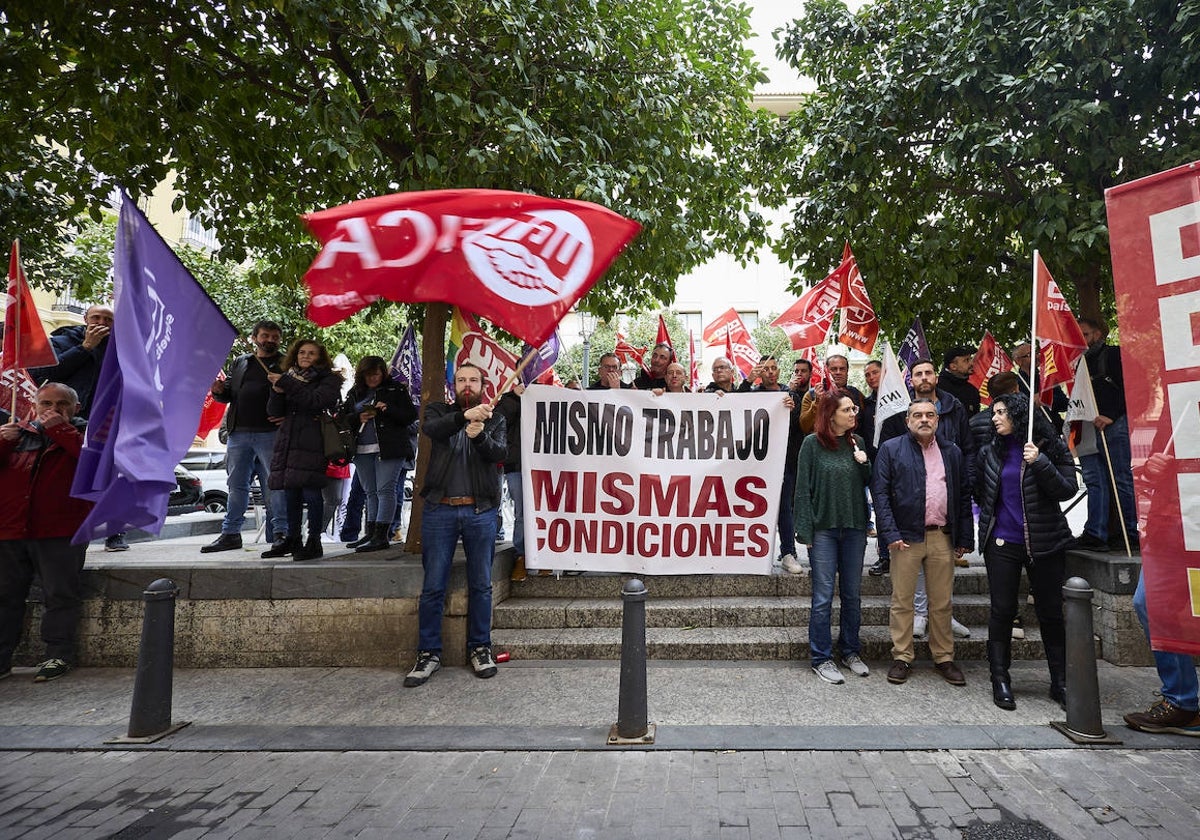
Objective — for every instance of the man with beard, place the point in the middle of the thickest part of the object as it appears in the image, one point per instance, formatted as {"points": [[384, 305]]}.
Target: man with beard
{"points": [[956, 370], [251, 437], [722, 374], [923, 509], [660, 357], [462, 496]]}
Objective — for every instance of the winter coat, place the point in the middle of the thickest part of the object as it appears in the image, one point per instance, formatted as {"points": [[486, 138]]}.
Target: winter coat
{"points": [[487, 450], [898, 490], [233, 384], [77, 367], [299, 456], [1045, 485], [35, 483], [391, 424]]}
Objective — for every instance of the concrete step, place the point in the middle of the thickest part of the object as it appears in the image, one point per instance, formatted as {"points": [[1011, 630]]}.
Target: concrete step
{"points": [[728, 643], [968, 581], [525, 613]]}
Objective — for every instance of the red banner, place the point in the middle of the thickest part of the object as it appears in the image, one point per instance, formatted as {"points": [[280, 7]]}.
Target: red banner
{"points": [[807, 321], [990, 360], [1154, 228], [860, 326], [519, 260], [25, 342], [1060, 341]]}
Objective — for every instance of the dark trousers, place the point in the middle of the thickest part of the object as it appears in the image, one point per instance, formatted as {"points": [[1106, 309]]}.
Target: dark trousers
{"points": [[60, 566], [1046, 575], [297, 498]]}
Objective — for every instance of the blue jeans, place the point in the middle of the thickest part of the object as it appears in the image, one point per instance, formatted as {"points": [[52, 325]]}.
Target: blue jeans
{"points": [[400, 478], [513, 480], [787, 522], [441, 528], [240, 453], [378, 477], [355, 501], [1180, 686], [1099, 485], [836, 551]]}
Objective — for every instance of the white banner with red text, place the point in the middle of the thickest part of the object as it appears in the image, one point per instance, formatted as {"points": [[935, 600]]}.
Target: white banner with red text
{"points": [[624, 481]]}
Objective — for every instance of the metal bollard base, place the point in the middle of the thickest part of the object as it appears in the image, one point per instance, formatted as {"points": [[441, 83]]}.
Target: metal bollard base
{"points": [[615, 740], [148, 739], [1083, 737]]}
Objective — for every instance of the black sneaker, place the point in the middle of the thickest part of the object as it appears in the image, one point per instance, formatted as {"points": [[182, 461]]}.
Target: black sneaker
{"points": [[116, 543], [51, 669], [1088, 542], [482, 662], [427, 665], [225, 542], [879, 568], [1164, 716]]}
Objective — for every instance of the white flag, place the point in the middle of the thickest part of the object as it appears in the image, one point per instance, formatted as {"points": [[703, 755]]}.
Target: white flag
{"points": [[892, 396], [1081, 406]]}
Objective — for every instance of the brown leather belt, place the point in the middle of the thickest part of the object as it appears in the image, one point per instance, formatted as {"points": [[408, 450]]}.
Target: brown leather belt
{"points": [[458, 501], [942, 528]]}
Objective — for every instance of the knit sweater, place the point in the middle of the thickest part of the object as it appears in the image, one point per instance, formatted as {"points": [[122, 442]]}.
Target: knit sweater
{"points": [[830, 488]]}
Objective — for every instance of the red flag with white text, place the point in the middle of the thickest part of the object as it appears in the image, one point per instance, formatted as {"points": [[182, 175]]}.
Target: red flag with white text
{"points": [[808, 321], [860, 326], [478, 348], [519, 260], [990, 360], [1060, 340], [730, 330], [627, 353]]}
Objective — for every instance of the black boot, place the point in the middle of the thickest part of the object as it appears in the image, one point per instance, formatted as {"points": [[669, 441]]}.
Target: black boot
{"points": [[311, 551], [282, 548], [999, 654], [1056, 661], [379, 538], [365, 538]]}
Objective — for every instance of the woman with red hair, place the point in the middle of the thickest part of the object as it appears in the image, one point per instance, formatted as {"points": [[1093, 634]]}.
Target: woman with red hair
{"points": [[832, 474]]}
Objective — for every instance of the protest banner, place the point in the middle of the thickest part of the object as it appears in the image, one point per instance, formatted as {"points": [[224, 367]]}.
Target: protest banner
{"points": [[1154, 226], [624, 481]]}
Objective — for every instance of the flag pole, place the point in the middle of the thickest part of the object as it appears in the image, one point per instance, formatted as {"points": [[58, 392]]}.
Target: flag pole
{"points": [[529, 357], [1032, 399], [14, 285], [1036, 350]]}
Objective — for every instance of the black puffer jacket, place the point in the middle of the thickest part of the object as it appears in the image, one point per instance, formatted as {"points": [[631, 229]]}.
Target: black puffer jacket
{"points": [[299, 456], [1045, 485], [391, 424]]}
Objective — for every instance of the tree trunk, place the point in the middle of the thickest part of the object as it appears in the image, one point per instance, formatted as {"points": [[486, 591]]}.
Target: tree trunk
{"points": [[433, 388], [1088, 287]]}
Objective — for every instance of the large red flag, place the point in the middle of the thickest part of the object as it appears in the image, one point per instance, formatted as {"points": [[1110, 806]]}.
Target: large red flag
{"points": [[729, 330], [25, 342], [860, 326], [664, 337], [626, 352], [807, 322], [521, 261], [990, 360], [1060, 341]]}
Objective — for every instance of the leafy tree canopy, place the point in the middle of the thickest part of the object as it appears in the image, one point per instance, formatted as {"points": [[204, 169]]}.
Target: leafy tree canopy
{"points": [[948, 140], [259, 110]]}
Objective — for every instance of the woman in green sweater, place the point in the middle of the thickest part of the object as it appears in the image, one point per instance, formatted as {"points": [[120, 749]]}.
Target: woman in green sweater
{"points": [[832, 474]]}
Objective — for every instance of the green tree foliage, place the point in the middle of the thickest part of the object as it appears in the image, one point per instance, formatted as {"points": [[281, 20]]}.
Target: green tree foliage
{"points": [[259, 110], [641, 331], [948, 140]]}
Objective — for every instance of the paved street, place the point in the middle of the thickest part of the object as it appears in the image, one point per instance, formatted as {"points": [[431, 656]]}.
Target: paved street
{"points": [[662, 795]]}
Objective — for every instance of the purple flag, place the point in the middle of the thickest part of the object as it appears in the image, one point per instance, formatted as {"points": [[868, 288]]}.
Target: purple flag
{"points": [[913, 348], [406, 364], [169, 340], [547, 355]]}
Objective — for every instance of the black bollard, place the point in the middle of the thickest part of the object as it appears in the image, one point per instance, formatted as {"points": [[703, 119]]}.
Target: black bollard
{"points": [[150, 717], [1083, 723], [632, 725]]}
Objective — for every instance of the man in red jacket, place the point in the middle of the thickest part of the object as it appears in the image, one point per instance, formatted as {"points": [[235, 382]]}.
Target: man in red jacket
{"points": [[38, 517]]}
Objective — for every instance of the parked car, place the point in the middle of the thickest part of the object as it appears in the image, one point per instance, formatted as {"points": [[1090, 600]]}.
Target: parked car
{"points": [[209, 465], [189, 493]]}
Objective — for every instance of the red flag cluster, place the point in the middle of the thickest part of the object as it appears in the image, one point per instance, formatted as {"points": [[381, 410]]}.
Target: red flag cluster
{"points": [[808, 321], [730, 331]]}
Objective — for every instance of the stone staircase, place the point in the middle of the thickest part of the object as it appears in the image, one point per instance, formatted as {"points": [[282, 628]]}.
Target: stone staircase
{"points": [[718, 617]]}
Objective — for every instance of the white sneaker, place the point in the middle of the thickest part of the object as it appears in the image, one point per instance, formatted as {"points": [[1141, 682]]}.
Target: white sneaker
{"points": [[791, 565], [920, 622], [960, 630], [829, 672], [857, 667], [427, 665]]}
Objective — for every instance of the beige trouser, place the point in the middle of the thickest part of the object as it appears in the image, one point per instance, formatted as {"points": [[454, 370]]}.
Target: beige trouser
{"points": [[937, 556]]}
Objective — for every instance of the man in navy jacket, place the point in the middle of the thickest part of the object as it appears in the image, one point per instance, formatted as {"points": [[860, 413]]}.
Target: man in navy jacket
{"points": [[923, 514]]}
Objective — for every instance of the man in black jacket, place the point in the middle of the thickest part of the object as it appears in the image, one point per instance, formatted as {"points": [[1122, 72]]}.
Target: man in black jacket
{"points": [[251, 437], [923, 513], [956, 370], [462, 494]]}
